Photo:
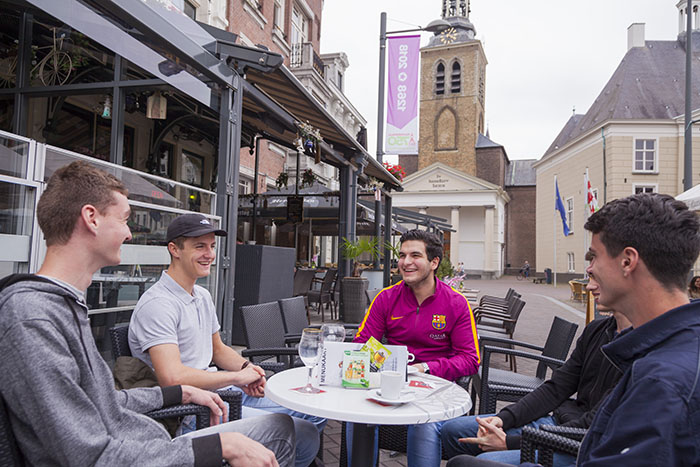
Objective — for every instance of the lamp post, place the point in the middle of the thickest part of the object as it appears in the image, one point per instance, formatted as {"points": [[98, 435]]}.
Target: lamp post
{"points": [[437, 25], [688, 143]]}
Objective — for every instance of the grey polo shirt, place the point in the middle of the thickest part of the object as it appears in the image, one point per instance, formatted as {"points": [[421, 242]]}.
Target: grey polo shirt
{"points": [[167, 314]]}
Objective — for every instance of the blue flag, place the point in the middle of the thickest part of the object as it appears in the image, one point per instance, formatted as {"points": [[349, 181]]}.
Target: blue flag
{"points": [[559, 206]]}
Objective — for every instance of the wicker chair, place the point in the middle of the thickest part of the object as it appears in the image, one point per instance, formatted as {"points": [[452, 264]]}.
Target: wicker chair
{"points": [[263, 329], [295, 320], [492, 384], [323, 296], [539, 445], [119, 337], [506, 328]]}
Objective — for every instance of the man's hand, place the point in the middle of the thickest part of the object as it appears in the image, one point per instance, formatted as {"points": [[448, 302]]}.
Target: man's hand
{"points": [[250, 374], [490, 437], [256, 389], [419, 367], [242, 451], [217, 408]]}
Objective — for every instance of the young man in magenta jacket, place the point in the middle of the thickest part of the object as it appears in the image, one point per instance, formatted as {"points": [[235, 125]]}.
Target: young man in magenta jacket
{"points": [[434, 321]]}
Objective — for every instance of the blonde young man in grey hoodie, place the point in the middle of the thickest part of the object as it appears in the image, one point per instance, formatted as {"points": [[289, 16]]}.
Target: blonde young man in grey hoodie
{"points": [[59, 392]]}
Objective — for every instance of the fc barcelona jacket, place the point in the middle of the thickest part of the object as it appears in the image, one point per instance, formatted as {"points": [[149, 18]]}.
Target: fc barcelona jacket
{"points": [[440, 332]]}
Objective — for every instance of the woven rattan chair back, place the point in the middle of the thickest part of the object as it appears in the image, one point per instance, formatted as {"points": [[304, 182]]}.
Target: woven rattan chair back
{"points": [[558, 343], [119, 337], [263, 326], [294, 315]]}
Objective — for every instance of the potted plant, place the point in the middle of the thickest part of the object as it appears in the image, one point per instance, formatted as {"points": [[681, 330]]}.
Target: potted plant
{"points": [[354, 287]]}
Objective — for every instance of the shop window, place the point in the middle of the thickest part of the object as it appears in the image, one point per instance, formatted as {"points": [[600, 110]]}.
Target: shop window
{"points": [[81, 130]]}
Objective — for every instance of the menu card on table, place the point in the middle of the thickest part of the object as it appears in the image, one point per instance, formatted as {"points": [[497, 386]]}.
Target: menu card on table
{"points": [[331, 364]]}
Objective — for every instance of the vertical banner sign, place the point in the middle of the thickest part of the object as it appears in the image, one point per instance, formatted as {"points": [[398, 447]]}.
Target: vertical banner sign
{"points": [[402, 105]]}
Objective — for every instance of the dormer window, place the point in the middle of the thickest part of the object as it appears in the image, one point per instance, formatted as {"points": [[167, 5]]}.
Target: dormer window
{"points": [[440, 80], [456, 78]]}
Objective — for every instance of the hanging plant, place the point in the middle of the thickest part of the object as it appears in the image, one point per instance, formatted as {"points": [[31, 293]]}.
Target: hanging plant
{"points": [[309, 140], [282, 180], [308, 177], [396, 170]]}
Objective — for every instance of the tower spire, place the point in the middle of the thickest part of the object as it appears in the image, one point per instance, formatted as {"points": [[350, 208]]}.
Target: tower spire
{"points": [[455, 8]]}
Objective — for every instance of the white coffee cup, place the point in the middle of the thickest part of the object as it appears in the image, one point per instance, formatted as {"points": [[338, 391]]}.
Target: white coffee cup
{"points": [[391, 384]]}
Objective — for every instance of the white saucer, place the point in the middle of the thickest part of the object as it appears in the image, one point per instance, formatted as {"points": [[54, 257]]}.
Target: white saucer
{"points": [[411, 370], [406, 396]]}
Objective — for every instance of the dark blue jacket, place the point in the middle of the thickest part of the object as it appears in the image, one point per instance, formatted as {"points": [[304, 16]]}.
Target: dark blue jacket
{"points": [[652, 417]]}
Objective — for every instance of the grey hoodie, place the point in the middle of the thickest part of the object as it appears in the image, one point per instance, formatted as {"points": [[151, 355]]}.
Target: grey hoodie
{"points": [[60, 394]]}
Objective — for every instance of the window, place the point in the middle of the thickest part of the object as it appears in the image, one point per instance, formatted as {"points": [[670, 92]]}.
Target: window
{"points": [[278, 20], [570, 213], [645, 155], [340, 80], [243, 187], [440, 80], [456, 78], [190, 10], [571, 263], [645, 189], [300, 27]]}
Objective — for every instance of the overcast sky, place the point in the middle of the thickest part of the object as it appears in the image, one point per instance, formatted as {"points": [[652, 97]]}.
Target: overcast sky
{"points": [[545, 56]]}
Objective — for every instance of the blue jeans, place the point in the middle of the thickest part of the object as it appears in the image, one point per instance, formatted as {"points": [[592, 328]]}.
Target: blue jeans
{"points": [[307, 427], [423, 444], [467, 427]]}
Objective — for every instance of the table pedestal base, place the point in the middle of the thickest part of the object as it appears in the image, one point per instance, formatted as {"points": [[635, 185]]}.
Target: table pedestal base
{"points": [[363, 445]]}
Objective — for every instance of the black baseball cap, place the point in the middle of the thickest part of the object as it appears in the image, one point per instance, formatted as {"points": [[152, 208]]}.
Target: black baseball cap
{"points": [[191, 225]]}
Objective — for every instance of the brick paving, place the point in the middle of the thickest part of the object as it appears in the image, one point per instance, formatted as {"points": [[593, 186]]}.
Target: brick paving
{"points": [[543, 302]]}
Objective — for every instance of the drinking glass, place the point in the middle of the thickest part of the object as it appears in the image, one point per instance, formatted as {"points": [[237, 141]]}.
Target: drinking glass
{"points": [[310, 351], [333, 332]]}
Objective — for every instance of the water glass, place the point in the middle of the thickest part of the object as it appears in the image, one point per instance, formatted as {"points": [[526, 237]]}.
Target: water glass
{"points": [[333, 332], [310, 351]]}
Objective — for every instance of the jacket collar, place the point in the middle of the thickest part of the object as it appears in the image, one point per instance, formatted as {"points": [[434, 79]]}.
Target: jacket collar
{"points": [[632, 344]]}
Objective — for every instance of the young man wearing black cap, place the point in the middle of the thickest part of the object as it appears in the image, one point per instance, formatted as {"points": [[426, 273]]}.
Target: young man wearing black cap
{"points": [[174, 329]]}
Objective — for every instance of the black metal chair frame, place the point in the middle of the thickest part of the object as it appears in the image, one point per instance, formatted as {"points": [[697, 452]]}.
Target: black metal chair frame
{"points": [[324, 296], [510, 386]]}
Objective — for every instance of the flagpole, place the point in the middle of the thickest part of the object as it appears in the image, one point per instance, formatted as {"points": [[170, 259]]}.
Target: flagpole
{"points": [[554, 266]]}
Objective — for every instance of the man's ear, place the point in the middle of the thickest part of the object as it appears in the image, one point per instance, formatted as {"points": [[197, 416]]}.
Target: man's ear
{"points": [[434, 263], [174, 250], [89, 217], [629, 259]]}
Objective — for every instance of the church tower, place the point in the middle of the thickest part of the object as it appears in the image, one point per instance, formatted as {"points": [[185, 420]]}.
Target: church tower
{"points": [[453, 73]]}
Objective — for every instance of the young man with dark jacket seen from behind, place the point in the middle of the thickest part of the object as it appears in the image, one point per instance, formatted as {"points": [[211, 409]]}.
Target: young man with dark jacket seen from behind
{"points": [[586, 373], [642, 250], [59, 392]]}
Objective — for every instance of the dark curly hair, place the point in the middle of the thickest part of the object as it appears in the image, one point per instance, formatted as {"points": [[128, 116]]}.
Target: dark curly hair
{"points": [[662, 230], [433, 244]]}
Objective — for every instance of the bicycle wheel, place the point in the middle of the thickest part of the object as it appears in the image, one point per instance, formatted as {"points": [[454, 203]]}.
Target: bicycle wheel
{"points": [[8, 65], [519, 276], [55, 68]]}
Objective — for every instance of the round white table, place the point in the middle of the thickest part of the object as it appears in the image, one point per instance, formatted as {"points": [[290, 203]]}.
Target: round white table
{"points": [[444, 400]]}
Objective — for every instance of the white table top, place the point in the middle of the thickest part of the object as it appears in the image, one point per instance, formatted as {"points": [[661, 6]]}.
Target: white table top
{"points": [[353, 405]]}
